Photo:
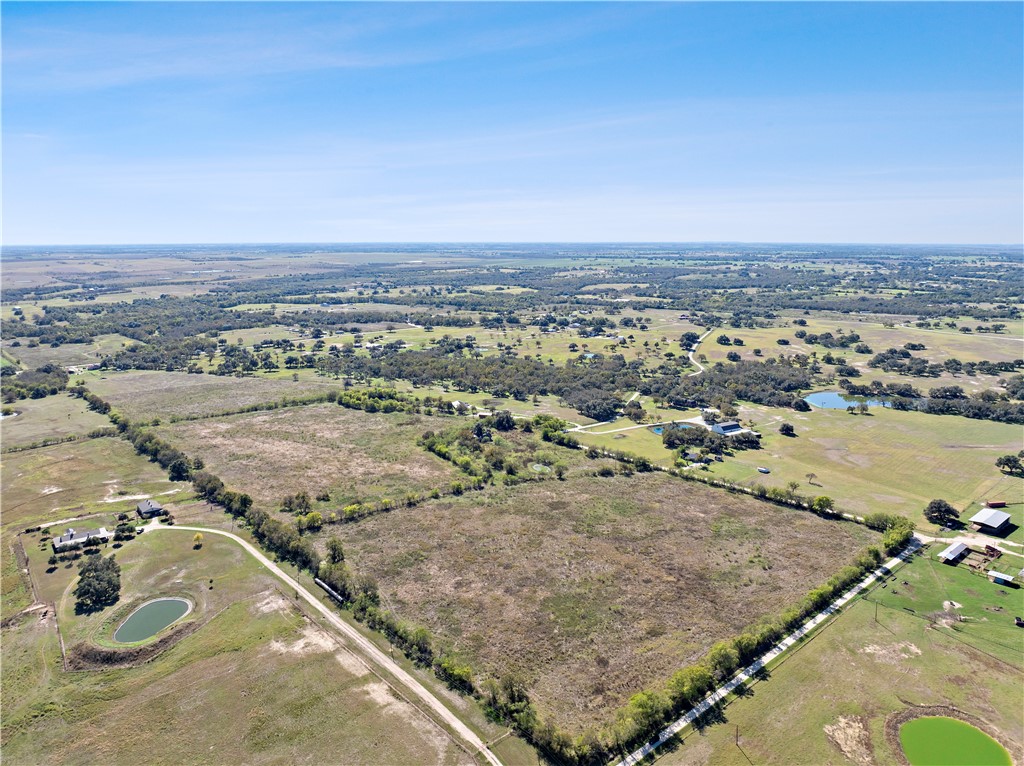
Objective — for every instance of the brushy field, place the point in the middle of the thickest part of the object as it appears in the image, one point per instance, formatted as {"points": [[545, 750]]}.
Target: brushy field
{"points": [[252, 685], [52, 417], [593, 589], [827, 702], [354, 455], [95, 475], [144, 395], [886, 461]]}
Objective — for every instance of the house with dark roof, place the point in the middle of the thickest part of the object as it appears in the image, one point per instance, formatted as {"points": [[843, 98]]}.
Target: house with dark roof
{"points": [[990, 521], [74, 537], [147, 509]]}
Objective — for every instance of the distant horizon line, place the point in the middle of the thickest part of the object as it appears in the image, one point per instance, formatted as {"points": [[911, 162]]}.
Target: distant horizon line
{"points": [[437, 243]]}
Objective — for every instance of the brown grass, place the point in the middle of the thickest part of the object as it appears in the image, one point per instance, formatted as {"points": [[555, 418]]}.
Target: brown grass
{"points": [[595, 589], [144, 394], [353, 454]]}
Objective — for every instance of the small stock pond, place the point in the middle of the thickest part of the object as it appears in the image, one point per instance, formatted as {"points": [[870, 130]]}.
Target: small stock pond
{"points": [[149, 619], [940, 741]]}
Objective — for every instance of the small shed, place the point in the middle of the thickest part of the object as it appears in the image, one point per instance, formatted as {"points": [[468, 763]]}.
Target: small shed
{"points": [[953, 553], [995, 503], [147, 509], [990, 520], [999, 578]]}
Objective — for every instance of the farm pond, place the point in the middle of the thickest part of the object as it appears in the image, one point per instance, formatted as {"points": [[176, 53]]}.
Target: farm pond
{"points": [[940, 741], [150, 618], [834, 400]]}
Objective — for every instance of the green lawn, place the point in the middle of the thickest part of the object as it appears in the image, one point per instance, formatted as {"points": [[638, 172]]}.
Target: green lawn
{"points": [[886, 461], [827, 701], [639, 441]]}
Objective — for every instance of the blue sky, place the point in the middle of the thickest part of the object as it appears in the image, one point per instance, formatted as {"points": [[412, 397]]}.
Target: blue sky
{"points": [[342, 122]]}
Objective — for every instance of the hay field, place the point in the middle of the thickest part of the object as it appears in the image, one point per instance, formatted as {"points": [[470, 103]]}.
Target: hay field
{"points": [[352, 454], [95, 475], [145, 394], [590, 588], [52, 417]]}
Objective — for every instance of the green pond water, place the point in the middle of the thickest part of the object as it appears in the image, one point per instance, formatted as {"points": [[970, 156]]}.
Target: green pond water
{"points": [[150, 619], [938, 741]]}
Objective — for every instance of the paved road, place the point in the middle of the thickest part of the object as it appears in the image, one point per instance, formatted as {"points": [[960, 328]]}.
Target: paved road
{"points": [[367, 648], [694, 351], [749, 672]]}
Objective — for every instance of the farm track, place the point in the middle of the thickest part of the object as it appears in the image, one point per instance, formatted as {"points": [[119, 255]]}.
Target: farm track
{"points": [[367, 651]]}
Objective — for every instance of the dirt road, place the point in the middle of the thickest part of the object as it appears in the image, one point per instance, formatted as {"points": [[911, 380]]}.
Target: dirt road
{"points": [[367, 651]]}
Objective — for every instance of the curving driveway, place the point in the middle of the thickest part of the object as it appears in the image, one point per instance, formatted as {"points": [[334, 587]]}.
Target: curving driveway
{"points": [[365, 646]]}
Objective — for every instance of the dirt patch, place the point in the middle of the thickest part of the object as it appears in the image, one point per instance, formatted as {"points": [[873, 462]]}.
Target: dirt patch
{"points": [[85, 656], [270, 601], [350, 662], [853, 739], [311, 641], [892, 653], [895, 720]]}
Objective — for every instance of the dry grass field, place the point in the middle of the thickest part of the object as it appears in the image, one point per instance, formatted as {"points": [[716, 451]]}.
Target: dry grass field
{"points": [[593, 589], [66, 480], [67, 355], [145, 395], [352, 454], [256, 683], [52, 417]]}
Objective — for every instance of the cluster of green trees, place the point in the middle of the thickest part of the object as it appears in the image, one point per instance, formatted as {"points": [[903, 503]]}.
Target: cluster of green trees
{"points": [[896, 530], [32, 384], [772, 382], [687, 438], [99, 583]]}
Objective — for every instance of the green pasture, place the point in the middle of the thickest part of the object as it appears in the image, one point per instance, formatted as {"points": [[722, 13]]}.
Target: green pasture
{"points": [[69, 354], [885, 461], [826, 701], [52, 417]]}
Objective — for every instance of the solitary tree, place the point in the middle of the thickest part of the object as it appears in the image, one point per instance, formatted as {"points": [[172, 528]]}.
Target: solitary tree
{"points": [[811, 477], [942, 513], [197, 540], [786, 429], [1010, 464]]}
